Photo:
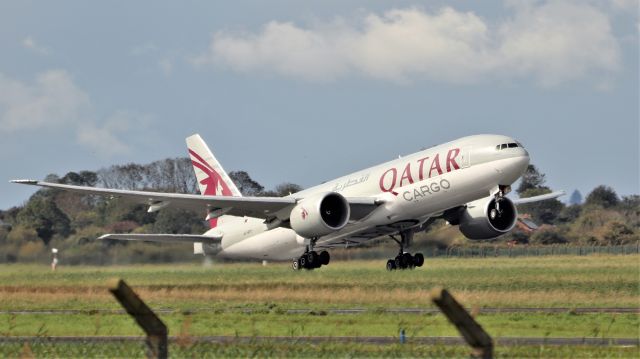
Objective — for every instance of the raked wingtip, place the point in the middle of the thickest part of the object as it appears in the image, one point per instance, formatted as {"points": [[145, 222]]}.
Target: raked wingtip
{"points": [[24, 181]]}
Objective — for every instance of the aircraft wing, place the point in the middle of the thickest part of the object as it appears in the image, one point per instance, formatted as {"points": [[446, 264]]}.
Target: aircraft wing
{"points": [[541, 197], [257, 207], [164, 238]]}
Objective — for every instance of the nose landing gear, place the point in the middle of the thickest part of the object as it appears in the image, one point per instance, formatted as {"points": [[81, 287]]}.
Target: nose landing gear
{"points": [[496, 212], [405, 260]]}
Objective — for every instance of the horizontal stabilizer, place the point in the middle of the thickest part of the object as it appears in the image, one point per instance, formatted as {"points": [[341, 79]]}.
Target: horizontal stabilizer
{"points": [[164, 238]]}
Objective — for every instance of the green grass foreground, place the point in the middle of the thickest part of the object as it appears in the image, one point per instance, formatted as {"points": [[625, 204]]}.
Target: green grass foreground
{"points": [[563, 281], [221, 291], [299, 350], [281, 324]]}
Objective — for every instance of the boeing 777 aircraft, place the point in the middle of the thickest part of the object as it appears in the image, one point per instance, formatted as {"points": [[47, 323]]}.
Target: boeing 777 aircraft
{"points": [[463, 181]]}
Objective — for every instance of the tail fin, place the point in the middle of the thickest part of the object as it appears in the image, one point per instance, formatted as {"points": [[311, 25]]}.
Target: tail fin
{"points": [[212, 179]]}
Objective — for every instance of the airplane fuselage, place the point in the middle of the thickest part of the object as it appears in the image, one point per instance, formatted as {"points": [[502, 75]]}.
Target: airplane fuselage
{"points": [[412, 189]]}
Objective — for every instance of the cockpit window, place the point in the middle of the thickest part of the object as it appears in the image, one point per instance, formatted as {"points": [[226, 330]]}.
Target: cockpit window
{"points": [[508, 145]]}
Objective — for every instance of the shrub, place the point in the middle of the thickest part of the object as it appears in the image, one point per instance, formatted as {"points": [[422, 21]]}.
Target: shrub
{"points": [[617, 233], [21, 234], [603, 196], [548, 235]]}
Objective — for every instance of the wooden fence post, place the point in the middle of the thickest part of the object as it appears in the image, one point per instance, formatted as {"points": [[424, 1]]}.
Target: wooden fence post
{"points": [[471, 331], [155, 329]]}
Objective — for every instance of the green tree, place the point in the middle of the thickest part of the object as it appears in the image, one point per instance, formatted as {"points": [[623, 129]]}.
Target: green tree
{"points": [[570, 213], [532, 184], [246, 185], [178, 221], [83, 178], [283, 189], [603, 196], [531, 179], [45, 217]]}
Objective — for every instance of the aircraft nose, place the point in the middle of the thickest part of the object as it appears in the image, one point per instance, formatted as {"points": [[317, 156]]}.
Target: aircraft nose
{"points": [[524, 160], [515, 167]]}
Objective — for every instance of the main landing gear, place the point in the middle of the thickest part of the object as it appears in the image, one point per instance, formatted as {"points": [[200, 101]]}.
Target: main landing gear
{"points": [[405, 260], [311, 259]]}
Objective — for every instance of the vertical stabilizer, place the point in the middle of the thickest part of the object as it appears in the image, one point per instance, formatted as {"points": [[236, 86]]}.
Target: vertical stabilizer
{"points": [[212, 179]]}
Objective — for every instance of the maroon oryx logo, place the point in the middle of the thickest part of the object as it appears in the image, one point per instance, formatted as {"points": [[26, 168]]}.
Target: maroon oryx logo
{"points": [[304, 214], [214, 184]]}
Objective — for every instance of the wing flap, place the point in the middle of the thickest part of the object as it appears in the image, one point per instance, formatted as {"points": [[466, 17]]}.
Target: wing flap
{"points": [[164, 238]]}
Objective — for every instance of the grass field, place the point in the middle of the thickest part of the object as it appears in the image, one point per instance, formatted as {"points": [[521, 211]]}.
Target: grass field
{"points": [[297, 350], [220, 292]]}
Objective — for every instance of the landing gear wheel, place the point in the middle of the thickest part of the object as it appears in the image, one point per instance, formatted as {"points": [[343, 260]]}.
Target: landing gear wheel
{"points": [[296, 265], [324, 258], [391, 265], [398, 262], [404, 260], [418, 260], [407, 258], [312, 259]]}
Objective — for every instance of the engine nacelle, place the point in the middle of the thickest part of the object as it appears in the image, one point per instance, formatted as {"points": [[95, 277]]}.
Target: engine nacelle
{"points": [[320, 215], [486, 218]]}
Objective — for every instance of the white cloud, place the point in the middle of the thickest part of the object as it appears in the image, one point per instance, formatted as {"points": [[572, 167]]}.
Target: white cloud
{"points": [[626, 5], [559, 41], [55, 103], [30, 43], [550, 42], [105, 138], [53, 100]]}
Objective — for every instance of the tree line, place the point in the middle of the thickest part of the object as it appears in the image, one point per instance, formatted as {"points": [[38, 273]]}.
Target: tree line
{"points": [[603, 218], [70, 222], [52, 218]]}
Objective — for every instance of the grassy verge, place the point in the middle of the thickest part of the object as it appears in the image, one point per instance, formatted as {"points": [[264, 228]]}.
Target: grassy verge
{"points": [[282, 324], [564, 281], [328, 350]]}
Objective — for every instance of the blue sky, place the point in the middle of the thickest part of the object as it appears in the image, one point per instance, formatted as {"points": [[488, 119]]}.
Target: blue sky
{"points": [[307, 91]]}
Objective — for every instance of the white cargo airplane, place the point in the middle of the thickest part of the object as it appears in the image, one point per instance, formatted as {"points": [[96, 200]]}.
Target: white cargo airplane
{"points": [[463, 181]]}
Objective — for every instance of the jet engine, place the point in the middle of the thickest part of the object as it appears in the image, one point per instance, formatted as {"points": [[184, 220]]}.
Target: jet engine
{"points": [[488, 218], [320, 214]]}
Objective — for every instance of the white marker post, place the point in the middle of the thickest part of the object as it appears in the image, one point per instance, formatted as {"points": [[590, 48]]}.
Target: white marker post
{"points": [[54, 262]]}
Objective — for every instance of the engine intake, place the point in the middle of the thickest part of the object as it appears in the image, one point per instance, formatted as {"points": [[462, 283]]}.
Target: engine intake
{"points": [[320, 215], [488, 218]]}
